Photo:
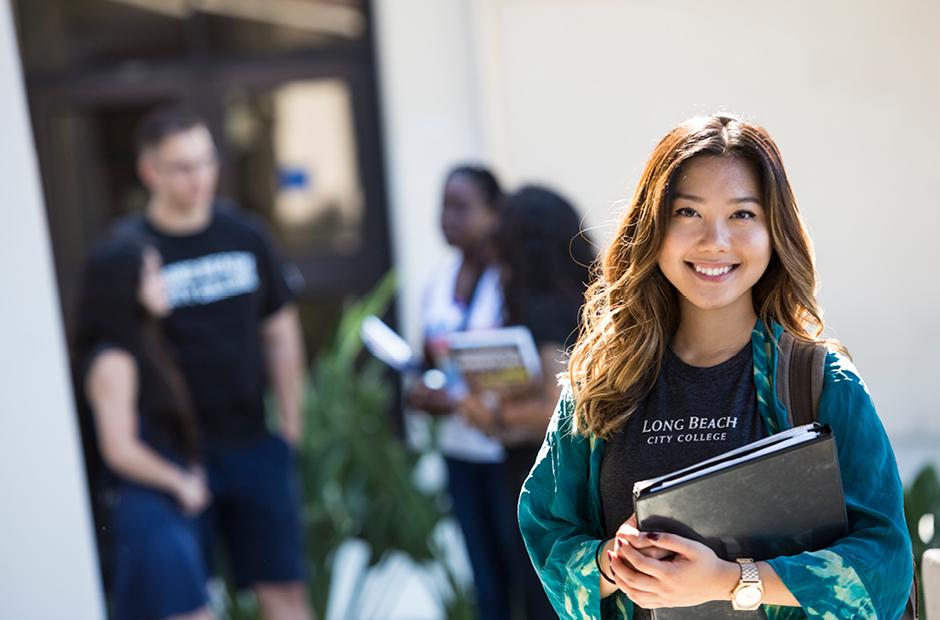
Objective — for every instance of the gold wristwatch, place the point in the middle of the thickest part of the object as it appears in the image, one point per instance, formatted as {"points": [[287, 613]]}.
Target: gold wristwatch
{"points": [[750, 589]]}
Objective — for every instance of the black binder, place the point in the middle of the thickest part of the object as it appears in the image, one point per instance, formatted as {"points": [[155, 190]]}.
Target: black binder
{"points": [[774, 497]]}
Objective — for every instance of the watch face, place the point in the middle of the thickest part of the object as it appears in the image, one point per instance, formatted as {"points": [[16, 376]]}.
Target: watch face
{"points": [[748, 596]]}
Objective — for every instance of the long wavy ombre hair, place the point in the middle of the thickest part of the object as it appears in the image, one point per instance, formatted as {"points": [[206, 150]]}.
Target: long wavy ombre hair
{"points": [[631, 309]]}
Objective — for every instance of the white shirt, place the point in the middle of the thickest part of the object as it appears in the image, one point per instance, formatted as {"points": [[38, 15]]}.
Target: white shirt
{"points": [[443, 315]]}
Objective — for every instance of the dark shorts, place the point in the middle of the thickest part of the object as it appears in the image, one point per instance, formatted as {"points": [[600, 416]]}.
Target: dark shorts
{"points": [[255, 512], [158, 564]]}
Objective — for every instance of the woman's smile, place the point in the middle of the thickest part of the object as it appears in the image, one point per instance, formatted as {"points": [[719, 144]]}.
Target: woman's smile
{"points": [[712, 272]]}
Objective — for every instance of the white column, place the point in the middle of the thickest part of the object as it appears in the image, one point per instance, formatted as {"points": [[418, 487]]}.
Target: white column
{"points": [[431, 117], [48, 568]]}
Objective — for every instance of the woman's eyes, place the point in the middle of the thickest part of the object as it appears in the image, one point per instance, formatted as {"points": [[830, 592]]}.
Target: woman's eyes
{"points": [[741, 214]]}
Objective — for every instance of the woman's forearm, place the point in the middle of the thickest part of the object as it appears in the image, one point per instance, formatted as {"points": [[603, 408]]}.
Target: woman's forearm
{"points": [[137, 462], [284, 357], [111, 386]]}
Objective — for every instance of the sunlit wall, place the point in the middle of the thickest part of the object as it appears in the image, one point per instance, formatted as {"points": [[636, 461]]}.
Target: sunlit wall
{"points": [[575, 94]]}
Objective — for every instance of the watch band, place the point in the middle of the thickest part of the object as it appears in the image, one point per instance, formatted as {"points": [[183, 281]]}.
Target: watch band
{"points": [[749, 571], [749, 592]]}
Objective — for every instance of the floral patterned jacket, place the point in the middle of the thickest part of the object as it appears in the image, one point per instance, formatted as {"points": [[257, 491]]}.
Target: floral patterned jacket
{"points": [[866, 574]]}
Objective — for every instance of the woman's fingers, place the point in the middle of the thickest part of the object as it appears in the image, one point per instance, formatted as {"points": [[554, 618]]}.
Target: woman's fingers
{"points": [[642, 563], [677, 544], [630, 578], [642, 544], [656, 553], [644, 598], [636, 538], [628, 529]]}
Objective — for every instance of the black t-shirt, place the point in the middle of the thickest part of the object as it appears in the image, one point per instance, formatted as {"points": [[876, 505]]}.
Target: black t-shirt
{"points": [[552, 318], [222, 282], [690, 415]]}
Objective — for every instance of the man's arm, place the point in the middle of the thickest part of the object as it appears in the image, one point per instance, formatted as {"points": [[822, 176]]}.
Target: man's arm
{"points": [[283, 347]]}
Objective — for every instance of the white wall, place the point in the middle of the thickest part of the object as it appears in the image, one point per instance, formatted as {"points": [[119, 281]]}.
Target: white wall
{"points": [[48, 568], [576, 94], [431, 114]]}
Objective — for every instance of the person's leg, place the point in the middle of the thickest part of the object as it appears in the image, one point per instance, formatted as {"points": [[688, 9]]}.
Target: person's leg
{"points": [[283, 601], [519, 461], [502, 520], [477, 509], [260, 525]]}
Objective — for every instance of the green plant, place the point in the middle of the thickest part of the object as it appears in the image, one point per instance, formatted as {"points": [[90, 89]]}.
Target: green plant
{"points": [[922, 502], [357, 475]]}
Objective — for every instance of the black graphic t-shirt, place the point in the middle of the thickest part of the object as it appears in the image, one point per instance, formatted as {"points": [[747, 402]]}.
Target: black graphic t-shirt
{"points": [[690, 415], [222, 283]]}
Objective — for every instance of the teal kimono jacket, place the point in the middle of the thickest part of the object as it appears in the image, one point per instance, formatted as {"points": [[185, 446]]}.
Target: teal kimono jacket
{"points": [[867, 574]]}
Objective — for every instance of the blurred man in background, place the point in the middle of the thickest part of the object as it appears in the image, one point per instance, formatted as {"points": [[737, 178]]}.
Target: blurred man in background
{"points": [[234, 330]]}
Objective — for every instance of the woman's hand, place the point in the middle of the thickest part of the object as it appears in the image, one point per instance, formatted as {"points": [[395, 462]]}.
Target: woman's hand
{"points": [[192, 492], [692, 576], [480, 413], [434, 402], [627, 535]]}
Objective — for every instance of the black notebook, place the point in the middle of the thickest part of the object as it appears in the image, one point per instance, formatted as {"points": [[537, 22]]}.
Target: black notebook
{"points": [[777, 496]]}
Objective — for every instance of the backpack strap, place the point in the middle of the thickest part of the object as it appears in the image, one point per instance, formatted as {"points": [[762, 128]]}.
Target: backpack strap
{"points": [[800, 369]]}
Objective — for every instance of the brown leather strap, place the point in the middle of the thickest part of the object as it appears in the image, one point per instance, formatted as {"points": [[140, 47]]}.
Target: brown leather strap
{"points": [[806, 370], [800, 369]]}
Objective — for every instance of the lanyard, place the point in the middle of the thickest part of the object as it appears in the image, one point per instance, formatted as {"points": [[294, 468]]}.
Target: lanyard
{"points": [[468, 309]]}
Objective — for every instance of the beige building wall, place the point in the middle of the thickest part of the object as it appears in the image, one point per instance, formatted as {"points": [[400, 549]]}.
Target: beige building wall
{"points": [[430, 108], [48, 568], [575, 94]]}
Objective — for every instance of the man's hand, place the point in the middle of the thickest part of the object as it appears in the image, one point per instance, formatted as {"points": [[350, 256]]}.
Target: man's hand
{"points": [[292, 433]]}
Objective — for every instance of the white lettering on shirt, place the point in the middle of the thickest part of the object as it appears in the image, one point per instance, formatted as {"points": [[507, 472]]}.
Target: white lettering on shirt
{"points": [[665, 429], [207, 279]]}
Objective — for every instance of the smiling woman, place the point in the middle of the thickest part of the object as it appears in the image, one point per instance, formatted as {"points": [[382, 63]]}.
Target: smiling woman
{"points": [[675, 364], [718, 234]]}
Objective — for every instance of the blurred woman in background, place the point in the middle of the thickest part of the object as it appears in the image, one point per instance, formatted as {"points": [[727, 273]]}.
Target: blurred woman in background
{"points": [[464, 294], [146, 435], [545, 260]]}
